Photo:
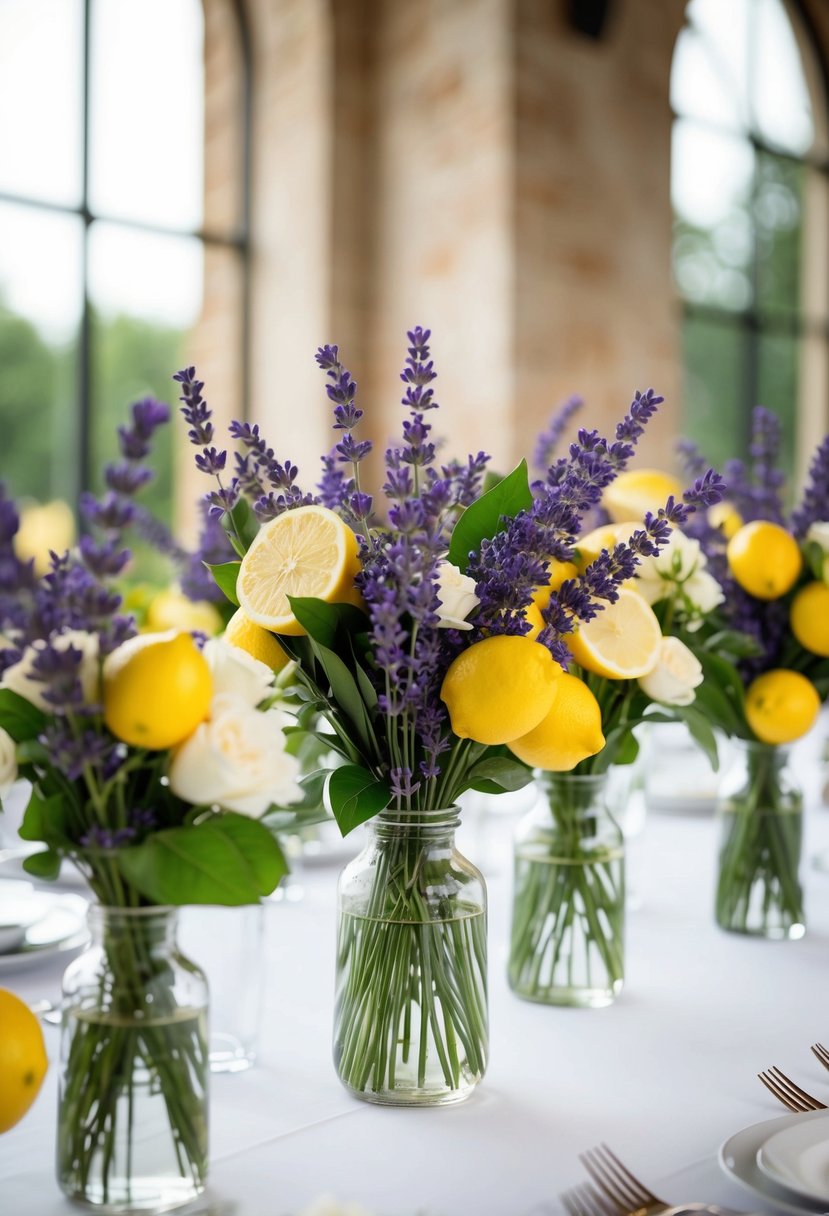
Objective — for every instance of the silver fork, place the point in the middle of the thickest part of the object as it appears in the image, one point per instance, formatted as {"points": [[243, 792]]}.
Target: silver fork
{"points": [[822, 1054], [787, 1092]]}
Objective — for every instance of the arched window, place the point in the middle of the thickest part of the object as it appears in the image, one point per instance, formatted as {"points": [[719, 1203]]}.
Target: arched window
{"points": [[112, 236], [750, 180]]}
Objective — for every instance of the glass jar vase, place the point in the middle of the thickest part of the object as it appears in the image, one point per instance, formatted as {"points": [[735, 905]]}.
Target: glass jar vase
{"points": [[568, 913], [411, 1021], [760, 809], [132, 1115]]}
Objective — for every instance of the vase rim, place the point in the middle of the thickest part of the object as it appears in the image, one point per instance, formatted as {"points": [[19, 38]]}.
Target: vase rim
{"points": [[423, 817]]}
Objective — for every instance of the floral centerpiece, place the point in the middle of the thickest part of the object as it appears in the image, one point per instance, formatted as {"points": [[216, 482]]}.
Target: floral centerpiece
{"points": [[151, 760], [765, 654], [406, 618]]}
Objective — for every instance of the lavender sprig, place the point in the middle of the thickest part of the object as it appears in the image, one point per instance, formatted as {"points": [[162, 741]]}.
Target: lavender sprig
{"points": [[550, 437]]}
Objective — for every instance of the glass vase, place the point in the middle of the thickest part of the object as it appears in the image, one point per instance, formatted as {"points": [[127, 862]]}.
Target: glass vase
{"points": [[567, 935], [761, 816], [132, 1115], [411, 1022]]}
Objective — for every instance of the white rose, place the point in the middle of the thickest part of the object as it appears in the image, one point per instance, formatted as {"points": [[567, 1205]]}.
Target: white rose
{"points": [[456, 593], [819, 534], [8, 763], [657, 577], [17, 677], [237, 760], [704, 592], [237, 673], [676, 675]]}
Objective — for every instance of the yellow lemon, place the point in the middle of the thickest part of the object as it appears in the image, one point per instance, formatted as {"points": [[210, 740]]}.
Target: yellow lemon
{"points": [[607, 536], [570, 732], [781, 706], [559, 573], [157, 690], [50, 526], [500, 688], [23, 1061], [305, 552], [623, 640], [638, 491], [172, 610], [810, 618], [725, 517], [256, 641], [764, 559]]}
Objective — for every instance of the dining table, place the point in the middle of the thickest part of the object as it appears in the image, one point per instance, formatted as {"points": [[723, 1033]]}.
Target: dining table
{"points": [[663, 1076]]}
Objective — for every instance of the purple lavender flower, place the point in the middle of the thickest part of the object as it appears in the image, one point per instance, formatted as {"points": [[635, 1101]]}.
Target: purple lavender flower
{"points": [[550, 437], [814, 506], [194, 407], [213, 549]]}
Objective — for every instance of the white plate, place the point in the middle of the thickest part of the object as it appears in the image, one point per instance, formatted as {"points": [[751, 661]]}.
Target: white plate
{"points": [[798, 1157], [11, 863], [20, 907], [738, 1158], [61, 929]]}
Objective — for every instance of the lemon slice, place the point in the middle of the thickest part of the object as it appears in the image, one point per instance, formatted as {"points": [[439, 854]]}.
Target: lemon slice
{"points": [[607, 536], [622, 642], [256, 641], [638, 491], [306, 552]]}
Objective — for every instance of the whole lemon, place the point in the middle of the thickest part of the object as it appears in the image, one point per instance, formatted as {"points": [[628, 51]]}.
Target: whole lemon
{"points": [[500, 688], [171, 609], [257, 641], [23, 1061], [570, 732], [726, 518], [810, 618], [781, 706], [765, 559], [157, 690]]}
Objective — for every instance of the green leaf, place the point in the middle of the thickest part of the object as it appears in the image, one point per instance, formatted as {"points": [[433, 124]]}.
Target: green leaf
{"points": [[346, 693], [701, 732], [241, 526], [326, 622], [225, 576], [482, 519], [45, 819], [498, 773], [45, 864], [225, 859], [355, 796], [18, 717]]}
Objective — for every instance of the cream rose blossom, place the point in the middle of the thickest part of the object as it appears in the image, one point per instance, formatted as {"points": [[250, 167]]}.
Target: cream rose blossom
{"points": [[17, 677], [456, 593], [237, 760], [679, 569], [8, 762], [237, 673], [676, 676]]}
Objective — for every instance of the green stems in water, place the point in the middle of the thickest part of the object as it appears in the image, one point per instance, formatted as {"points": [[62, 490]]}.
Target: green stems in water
{"points": [[567, 936], [758, 886], [411, 1025], [132, 1128]]}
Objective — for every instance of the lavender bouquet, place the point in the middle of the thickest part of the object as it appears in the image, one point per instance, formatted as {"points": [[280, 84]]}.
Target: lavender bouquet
{"points": [[765, 654], [414, 651], [131, 747]]}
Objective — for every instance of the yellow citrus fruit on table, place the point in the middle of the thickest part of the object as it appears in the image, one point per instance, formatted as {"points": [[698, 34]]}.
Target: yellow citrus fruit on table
{"points": [[570, 732], [256, 641], [638, 491], [781, 705], [172, 610], [725, 517], [500, 688], [810, 618], [623, 640], [157, 690], [560, 572], [306, 552], [607, 536], [764, 559], [23, 1061]]}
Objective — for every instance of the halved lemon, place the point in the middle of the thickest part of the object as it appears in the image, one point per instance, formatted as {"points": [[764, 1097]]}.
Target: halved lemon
{"points": [[307, 552], [638, 491], [622, 642], [606, 536]]}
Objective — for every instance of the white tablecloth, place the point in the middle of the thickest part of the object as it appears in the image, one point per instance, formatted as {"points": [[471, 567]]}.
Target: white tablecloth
{"points": [[663, 1076]]}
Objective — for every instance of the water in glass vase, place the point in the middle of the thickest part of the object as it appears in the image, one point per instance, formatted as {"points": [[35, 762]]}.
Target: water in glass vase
{"points": [[411, 1021]]}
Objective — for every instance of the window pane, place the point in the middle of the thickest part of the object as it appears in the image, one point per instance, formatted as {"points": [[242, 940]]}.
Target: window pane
{"points": [[782, 110], [777, 387], [146, 293], [41, 99], [722, 30], [40, 303], [147, 121], [701, 85], [778, 211], [711, 176], [713, 360]]}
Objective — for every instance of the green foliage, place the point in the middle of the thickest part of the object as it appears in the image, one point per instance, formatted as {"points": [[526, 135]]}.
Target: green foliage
{"points": [[241, 526], [18, 717], [482, 519], [355, 796], [225, 577]]}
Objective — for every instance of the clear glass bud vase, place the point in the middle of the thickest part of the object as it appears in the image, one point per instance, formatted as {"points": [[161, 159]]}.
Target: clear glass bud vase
{"points": [[761, 816], [411, 1023], [567, 936], [132, 1117]]}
